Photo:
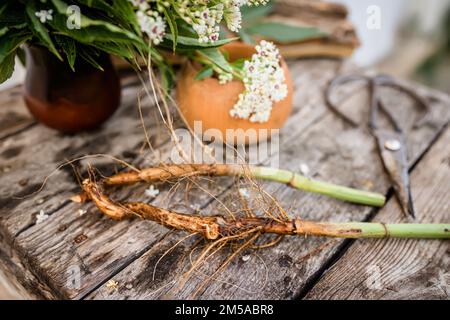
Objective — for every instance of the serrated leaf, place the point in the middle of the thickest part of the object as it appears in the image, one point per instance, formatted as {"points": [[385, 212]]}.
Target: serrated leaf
{"points": [[284, 33], [173, 27], [126, 11], [89, 57], [91, 30], [120, 50], [68, 46]]}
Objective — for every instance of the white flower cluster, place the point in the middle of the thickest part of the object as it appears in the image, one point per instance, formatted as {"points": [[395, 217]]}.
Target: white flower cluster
{"points": [[150, 21], [203, 15], [205, 23], [264, 82]]}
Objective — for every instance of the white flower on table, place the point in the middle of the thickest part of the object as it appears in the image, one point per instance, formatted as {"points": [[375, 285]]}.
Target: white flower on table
{"points": [[41, 217], [45, 15], [304, 169], [244, 193], [151, 192]]}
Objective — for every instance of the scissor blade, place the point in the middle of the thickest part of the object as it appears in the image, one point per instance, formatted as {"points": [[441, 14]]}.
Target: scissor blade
{"points": [[392, 149]]}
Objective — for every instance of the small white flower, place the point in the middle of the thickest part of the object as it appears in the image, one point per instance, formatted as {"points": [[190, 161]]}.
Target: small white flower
{"points": [[151, 192], [45, 15], [41, 217], [244, 193], [304, 169]]}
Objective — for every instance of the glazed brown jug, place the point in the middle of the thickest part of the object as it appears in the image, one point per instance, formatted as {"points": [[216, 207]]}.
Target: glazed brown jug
{"points": [[70, 101]]}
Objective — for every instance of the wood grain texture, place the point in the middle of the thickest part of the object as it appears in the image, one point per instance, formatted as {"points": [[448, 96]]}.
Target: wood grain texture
{"points": [[29, 156], [14, 116], [400, 269], [98, 247], [334, 153]]}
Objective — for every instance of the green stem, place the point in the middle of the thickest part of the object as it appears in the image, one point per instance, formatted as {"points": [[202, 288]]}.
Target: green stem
{"points": [[300, 182], [380, 230], [201, 58]]}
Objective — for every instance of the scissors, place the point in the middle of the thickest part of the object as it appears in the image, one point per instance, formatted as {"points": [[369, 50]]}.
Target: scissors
{"points": [[391, 142]]}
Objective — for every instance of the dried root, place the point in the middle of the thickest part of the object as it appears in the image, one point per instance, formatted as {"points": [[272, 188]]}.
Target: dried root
{"points": [[219, 227]]}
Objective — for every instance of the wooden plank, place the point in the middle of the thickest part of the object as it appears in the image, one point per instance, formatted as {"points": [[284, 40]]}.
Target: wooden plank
{"points": [[335, 153], [28, 157], [14, 116], [17, 281], [101, 248], [400, 269]]}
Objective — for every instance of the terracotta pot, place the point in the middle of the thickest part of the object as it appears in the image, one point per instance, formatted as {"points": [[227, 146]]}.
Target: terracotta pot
{"points": [[70, 101], [210, 102]]}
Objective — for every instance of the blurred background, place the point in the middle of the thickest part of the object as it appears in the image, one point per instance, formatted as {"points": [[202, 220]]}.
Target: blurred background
{"points": [[413, 40]]}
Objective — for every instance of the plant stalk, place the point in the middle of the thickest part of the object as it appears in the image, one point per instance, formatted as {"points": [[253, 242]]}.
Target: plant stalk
{"points": [[298, 181], [292, 179]]}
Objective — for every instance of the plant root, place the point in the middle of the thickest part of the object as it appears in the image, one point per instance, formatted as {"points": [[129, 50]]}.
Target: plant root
{"points": [[219, 227]]}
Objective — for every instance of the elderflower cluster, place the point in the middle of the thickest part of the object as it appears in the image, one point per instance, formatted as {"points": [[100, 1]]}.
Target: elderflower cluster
{"points": [[204, 16], [150, 21], [264, 82]]}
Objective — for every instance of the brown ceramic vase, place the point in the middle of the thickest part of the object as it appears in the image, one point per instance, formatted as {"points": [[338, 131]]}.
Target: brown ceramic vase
{"points": [[70, 101]]}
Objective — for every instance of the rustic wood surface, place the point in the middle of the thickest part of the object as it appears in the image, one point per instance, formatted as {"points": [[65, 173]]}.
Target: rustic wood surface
{"points": [[400, 269], [44, 258]]}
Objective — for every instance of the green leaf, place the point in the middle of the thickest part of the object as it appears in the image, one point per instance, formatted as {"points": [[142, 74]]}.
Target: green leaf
{"points": [[10, 42], [7, 67], [239, 64], [116, 49], [3, 8], [205, 72], [125, 10], [121, 11], [3, 31], [91, 30], [216, 57], [40, 30], [173, 27], [89, 56], [167, 77], [68, 46], [250, 14], [245, 37], [284, 33]]}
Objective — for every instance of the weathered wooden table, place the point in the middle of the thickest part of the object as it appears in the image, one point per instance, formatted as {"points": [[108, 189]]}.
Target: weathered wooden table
{"points": [[74, 255]]}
